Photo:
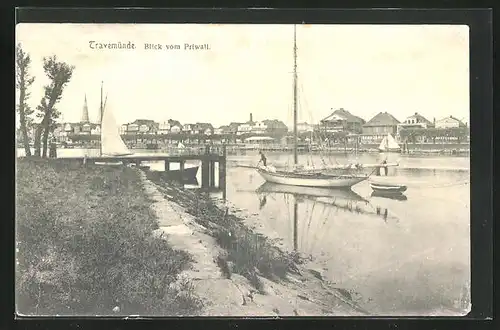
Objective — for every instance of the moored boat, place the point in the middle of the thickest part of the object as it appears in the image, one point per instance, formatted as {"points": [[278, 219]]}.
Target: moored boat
{"points": [[388, 187], [310, 179], [301, 177]]}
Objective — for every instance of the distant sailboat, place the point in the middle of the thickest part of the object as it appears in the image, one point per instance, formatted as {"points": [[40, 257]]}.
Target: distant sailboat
{"points": [[389, 144]]}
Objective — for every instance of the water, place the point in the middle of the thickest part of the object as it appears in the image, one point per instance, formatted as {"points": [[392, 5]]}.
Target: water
{"points": [[414, 261], [401, 257]]}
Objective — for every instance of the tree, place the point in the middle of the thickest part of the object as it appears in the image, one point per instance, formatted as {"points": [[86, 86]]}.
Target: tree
{"points": [[59, 74], [23, 82]]}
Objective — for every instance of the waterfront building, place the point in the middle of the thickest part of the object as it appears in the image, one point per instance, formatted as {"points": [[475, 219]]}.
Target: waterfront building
{"points": [[341, 120], [379, 126]]}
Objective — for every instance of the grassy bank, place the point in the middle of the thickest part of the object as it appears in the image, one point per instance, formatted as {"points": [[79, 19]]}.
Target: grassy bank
{"points": [[85, 245], [247, 253]]}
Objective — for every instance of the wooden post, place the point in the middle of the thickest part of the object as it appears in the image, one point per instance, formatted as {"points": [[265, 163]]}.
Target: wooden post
{"points": [[205, 167], [181, 169], [167, 165], [212, 174], [222, 177], [137, 162]]}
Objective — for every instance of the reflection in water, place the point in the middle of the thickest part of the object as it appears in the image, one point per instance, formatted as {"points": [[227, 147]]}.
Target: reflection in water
{"points": [[340, 199], [398, 197]]}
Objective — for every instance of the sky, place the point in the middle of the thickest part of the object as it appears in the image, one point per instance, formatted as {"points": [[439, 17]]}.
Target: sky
{"points": [[365, 69]]}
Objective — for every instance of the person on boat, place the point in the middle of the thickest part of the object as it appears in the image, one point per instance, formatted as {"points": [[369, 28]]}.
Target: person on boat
{"points": [[262, 159], [385, 167]]}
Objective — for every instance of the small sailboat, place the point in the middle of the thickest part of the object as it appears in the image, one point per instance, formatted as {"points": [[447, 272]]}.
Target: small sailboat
{"points": [[300, 176], [111, 142], [389, 144]]}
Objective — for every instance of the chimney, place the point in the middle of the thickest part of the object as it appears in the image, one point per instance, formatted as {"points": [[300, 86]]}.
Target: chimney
{"points": [[434, 120], [251, 118], [416, 113]]}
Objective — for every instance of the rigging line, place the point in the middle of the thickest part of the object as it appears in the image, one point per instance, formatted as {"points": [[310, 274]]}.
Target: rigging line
{"points": [[310, 221], [306, 231], [325, 229]]}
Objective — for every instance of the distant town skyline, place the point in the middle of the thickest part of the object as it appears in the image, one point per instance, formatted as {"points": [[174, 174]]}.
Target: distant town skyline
{"points": [[364, 69]]}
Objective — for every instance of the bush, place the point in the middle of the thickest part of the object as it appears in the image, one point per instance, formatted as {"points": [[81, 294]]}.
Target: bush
{"points": [[85, 245]]}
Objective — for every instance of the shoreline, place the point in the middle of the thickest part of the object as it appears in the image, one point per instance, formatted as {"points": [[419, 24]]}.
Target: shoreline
{"points": [[301, 290]]}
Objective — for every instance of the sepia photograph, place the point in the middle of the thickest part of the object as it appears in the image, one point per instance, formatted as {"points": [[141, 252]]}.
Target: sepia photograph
{"points": [[242, 170]]}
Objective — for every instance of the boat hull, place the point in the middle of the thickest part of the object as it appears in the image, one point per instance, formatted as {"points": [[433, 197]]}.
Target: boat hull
{"points": [[323, 181], [345, 194], [187, 173], [388, 189]]}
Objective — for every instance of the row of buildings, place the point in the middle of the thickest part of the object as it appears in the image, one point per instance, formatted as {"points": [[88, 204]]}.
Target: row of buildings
{"points": [[339, 124]]}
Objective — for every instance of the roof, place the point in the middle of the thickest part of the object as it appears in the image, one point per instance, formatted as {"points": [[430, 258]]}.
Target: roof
{"points": [[345, 115], [382, 119], [174, 122], [274, 123], [204, 126], [420, 118], [453, 118]]}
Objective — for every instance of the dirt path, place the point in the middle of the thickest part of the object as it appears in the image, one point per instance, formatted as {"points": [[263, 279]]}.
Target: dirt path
{"points": [[304, 295]]}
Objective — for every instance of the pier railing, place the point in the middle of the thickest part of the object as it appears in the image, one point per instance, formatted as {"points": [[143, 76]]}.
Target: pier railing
{"points": [[196, 151]]}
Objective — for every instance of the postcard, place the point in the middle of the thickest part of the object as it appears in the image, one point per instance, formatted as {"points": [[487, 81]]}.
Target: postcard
{"points": [[242, 170]]}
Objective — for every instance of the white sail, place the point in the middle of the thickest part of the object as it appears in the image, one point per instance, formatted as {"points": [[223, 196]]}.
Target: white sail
{"points": [[111, 142], [389, 144]]}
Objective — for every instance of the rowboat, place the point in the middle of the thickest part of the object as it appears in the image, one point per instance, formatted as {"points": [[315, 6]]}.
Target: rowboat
{"points": [[388, 188]]}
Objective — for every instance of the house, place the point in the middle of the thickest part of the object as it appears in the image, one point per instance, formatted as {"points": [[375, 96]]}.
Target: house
{"points": [[95, 129], [204, 128], [378, 127], [244, 129], [233, 128], [304, 127], [85, 128], [222, 130], [188, 128], [164, 128], [123, 129], [259, 128], [449, 122], [275, 127], [415, 121], [342, 120], [176, 128], [143, 126], [59, 133]]}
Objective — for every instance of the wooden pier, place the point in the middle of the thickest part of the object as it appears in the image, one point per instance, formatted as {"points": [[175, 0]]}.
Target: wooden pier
{"points": [[208, 156]]}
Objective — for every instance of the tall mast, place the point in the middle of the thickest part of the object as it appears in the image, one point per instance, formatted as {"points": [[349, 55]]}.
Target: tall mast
{"points": [[101, 108], [101, 111], [295, 156]]}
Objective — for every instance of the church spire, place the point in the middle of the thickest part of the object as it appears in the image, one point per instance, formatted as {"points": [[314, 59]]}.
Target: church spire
{"points": [[101, 107], [85, 114]]}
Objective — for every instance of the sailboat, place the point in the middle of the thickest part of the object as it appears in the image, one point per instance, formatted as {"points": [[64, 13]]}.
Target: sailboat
{"points": [[300, 176], [389, 144], [111, 142]]}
